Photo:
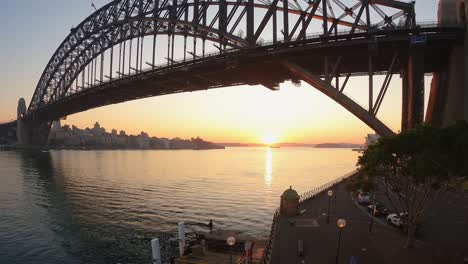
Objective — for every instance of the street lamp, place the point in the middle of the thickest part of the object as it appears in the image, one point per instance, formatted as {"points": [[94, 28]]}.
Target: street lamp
{"points": [[374, 205], [341, 224], [330, 194], [231, 241]]}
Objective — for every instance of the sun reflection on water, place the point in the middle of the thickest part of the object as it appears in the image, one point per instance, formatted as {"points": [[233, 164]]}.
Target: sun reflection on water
{"points": [[268, 167]]}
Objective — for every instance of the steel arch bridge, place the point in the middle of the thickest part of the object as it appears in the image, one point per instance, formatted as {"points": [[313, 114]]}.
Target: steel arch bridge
{"points": [[128, 49]]}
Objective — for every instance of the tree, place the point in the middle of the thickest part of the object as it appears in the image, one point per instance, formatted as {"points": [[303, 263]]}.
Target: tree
{"points": [[415, 167]]}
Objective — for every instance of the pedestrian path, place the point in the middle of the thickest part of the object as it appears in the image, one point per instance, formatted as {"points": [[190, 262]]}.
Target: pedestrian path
{"points": [[319, 239]]}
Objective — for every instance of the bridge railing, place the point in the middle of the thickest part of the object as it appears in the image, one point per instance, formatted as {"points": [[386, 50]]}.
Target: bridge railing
{"points": [[268, 252]]}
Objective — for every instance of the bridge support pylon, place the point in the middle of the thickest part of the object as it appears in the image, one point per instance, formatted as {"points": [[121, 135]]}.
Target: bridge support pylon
{"points": [[448, 99], [413, 91], [29, 132]]}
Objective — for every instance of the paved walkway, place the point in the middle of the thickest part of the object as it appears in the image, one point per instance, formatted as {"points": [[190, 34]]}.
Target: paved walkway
{"points": [[383, 245]]}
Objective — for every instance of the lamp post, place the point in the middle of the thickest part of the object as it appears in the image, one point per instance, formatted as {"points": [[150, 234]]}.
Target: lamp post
{"points": [[329, 193], [374, 205], [231, 241], [341, 224]]}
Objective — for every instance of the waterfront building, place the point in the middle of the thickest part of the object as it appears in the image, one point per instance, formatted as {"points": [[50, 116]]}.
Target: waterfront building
{"points": [[98, 130], [289, 205], [143, 141]]}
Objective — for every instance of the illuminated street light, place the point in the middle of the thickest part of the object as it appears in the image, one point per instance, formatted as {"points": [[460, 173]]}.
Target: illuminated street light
{"points": [[231, 241], [330, 194], [341, 224]]}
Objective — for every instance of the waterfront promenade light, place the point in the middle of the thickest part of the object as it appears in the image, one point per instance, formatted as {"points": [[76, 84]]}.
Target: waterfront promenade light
{"points": [[231, 241], [330, 194], [341, 224]]}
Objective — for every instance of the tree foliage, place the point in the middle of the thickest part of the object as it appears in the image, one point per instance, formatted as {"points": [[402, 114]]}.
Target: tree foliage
{"points": [[414, 167]]}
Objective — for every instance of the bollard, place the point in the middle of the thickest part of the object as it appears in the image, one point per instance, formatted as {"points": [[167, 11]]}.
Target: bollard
{"points": [[156, 251], [181, 232]]}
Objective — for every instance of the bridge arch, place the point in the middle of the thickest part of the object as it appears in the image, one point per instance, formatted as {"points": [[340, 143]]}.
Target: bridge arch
{"points": [[123, 20], [215, 21]]}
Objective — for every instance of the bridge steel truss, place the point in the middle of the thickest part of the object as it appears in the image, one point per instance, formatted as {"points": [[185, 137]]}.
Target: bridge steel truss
{"points": [[113, 26], [102, 58]]}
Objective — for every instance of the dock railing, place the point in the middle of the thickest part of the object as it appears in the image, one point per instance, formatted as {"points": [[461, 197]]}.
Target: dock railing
{"points": [[269, 247], [267, 254], [312, 193]]}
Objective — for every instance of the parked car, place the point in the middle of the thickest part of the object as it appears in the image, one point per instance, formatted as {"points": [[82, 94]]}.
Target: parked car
{"points": [[363, 198], [380, 210], [397, 220]]}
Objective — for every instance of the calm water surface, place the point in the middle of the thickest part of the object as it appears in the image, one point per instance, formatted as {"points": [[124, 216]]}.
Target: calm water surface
{"points": [[105, 206]]}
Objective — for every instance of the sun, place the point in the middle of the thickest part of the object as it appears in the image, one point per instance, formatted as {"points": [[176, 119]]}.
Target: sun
{"points": [[269, 139]]}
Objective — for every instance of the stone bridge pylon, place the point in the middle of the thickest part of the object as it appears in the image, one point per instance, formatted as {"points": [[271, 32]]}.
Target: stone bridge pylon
{"points": [[28, 132]]}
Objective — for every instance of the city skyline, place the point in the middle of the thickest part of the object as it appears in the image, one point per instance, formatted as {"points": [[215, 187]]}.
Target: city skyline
{"points": [[235, 114]]}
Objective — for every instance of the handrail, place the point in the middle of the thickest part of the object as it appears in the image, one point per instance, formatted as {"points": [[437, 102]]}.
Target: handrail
{"points": [[268, 252], [312, 193]]}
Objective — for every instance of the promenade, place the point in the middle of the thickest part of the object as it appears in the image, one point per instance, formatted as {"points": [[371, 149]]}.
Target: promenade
{"points": [[358, 245]]}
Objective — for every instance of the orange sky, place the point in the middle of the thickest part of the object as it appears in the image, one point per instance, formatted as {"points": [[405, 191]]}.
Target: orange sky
{"points": [[247, 114]]}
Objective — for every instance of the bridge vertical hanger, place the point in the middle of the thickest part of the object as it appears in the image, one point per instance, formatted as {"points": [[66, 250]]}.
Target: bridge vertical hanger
{"points": [[205, 7], [137, 63], [101, 68], [88, 75], [371, 84], [222, 25], [285, 20], [275, 26], [325, 17], [250, 23], [186, 19], [173, 21], [142, 42], [111, 64], [155, 15], [195, 22], [95, 71]]}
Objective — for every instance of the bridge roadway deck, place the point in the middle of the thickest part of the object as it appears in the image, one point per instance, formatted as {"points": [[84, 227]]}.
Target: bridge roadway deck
{"points": [[383, 246]]}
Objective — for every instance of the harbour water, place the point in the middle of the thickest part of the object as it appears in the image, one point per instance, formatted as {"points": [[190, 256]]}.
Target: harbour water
{"points": [[104, 206]]}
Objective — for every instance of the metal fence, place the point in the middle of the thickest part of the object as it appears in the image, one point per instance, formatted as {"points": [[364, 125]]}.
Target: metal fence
{"points": [[312, 193], [269, 248], [267, 254]]}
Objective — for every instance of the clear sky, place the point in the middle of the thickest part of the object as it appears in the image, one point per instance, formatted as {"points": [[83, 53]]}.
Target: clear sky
{"points": [[31, 30]]}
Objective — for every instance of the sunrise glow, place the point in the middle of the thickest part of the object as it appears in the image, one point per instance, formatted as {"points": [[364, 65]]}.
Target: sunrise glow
{"points": [[269, 138]]}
